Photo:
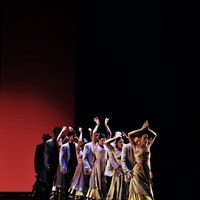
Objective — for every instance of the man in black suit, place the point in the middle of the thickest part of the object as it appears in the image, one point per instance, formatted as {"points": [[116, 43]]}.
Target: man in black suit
{"points": [[39, 188]]}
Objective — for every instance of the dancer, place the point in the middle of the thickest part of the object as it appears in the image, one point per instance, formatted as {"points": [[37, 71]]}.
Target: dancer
{"points": [[97, 184], [76, 189], [128, 161], [117, 186], [51, 158], [68, 159], [141, 181], [58, 187], [89, 158]]}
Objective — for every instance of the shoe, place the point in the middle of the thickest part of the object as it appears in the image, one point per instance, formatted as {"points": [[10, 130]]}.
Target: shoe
{"points": [[71, 196]]}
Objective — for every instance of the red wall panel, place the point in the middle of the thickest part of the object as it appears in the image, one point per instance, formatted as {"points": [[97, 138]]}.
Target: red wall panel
{"points": [[36, 84]]}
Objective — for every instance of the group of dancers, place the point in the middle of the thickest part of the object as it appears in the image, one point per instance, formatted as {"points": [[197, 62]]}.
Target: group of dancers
{"points": [[105, 168]]}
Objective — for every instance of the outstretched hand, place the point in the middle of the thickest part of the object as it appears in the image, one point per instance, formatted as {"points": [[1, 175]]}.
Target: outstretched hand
{"points": [[64, 128], [106, 120], [145, 125], [96, 119], [70, 128], [118, 134]]}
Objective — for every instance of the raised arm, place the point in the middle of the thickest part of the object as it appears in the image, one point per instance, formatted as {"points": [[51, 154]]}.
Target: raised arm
{"points": [[124, 135], [152, 139], [80, 139], [109, 141], [132, 134], [95, 130], [70, 128], [96, 120], [64, 128], [90, 132], [109, 133]]}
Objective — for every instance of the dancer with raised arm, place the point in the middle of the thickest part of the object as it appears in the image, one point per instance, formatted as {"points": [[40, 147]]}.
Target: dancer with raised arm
{"points": [[76, 188], [141, 181], [97, 184], [117, 185]]}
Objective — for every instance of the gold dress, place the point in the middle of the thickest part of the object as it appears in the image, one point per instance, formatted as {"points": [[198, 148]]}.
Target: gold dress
{"points": [[97, 184], [140, 187]]}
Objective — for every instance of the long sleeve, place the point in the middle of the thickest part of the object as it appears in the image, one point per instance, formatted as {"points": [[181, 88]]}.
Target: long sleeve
{"points": [[127, 158], [64, 157], [39, 158], [88, 157], [47, 153], [124, 159], [112, 160]]}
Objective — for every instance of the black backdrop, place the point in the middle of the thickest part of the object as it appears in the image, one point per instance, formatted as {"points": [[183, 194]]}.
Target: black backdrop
{"points": [[137, 61]]}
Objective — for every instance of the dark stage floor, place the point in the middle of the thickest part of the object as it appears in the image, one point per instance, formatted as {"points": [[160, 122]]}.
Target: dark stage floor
{"points": [[15, 196]]}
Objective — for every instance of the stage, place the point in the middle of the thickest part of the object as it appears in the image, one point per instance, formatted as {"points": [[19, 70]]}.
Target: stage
{"points": [[15, 195]]}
